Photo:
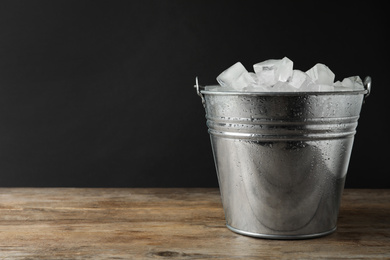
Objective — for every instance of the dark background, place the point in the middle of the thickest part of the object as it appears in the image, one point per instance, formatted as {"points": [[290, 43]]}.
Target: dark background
{"points": [[100, 93]]}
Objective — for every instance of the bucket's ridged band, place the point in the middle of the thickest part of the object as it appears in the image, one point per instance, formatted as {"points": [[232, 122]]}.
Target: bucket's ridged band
{"points": [[281, 237], [252, 128]]}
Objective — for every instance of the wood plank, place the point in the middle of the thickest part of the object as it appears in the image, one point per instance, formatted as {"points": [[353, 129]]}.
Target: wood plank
{"points": [[108, 223]]}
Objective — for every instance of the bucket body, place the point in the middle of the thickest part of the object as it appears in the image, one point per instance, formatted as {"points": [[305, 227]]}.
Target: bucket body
{"points": [[282, 158]]}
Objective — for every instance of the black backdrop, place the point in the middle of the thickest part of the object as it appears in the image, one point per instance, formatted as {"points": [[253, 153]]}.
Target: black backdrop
{"points": [[100, 93]]}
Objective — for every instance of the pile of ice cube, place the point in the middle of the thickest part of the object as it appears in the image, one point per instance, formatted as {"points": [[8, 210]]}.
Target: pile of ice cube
{"points": [[279, 76]]}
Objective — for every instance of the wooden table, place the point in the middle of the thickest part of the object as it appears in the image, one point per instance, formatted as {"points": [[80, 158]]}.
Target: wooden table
{"points": [[108, 223]]}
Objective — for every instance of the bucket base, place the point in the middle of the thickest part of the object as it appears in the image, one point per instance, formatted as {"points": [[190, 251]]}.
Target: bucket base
{"points": [[284, 237]]}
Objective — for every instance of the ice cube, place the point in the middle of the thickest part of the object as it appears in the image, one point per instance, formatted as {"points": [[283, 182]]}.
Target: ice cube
{"points": [[212, 88], [321, 87], [347, 83], [351, 83], [357, 82], [236, 77], [265, 73], [283, 87], [337, 84], [317, 87], [269, 72], [284, 70], [256, 88], [299, 79], [321, 74], [254, 76]]}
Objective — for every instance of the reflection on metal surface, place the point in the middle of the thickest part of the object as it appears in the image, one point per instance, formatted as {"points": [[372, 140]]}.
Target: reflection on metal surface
{"points": [[282, 159]]}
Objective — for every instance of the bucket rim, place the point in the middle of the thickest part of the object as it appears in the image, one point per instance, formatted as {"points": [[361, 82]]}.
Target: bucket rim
{"points": [[298, 93]]}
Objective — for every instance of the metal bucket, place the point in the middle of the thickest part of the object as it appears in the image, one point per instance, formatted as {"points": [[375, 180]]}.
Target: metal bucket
{"points": [[282, 158]]}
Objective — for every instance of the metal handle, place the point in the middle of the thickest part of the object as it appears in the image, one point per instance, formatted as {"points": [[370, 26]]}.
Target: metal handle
{"points": [[367, 86], [197, 87]]}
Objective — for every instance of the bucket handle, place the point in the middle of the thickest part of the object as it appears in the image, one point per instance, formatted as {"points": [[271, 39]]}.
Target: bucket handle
{"points": [[198, 88], [367, 86]]}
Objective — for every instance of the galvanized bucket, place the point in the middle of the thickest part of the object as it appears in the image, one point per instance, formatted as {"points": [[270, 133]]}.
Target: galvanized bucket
{"points": [[282, 158]]}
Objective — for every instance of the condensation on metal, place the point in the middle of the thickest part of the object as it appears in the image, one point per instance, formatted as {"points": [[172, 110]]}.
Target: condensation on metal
{"points": [[266, 129], [282, 158]]}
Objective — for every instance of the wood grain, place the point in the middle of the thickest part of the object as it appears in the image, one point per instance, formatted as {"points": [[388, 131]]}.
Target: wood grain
{"points": [[107, 223]]}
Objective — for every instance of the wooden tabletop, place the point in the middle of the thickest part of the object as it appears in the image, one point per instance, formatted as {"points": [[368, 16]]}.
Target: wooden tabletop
{"points": [[110, 223]]}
